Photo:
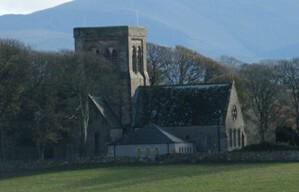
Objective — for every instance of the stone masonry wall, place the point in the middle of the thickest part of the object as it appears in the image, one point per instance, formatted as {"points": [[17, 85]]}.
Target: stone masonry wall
{"points": [[9, 168], [277, 156]]}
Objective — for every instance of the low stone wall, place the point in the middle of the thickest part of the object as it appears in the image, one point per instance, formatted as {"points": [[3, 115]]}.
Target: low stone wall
{"points": [[275, 156], [8, 168], [12, 167]]}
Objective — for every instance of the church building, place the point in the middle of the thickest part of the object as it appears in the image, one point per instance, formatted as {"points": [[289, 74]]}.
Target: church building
{"points": [[200, 117]]}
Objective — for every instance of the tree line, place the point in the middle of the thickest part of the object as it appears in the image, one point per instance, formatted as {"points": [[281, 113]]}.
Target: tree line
{"points": [[44, 96]]}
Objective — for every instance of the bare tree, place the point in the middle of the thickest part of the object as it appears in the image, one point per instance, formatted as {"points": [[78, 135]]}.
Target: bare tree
{"points": [[157, 57], [289, 74], [262, 87], [181, 65], [184, 67]]}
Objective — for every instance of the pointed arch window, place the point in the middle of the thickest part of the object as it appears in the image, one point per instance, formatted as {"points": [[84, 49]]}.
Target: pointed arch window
{"points": [[235, 137], [110, 54], [230, 137], [239, 137], [114, 53], [140, 59], [135, 60], [243, 140]]}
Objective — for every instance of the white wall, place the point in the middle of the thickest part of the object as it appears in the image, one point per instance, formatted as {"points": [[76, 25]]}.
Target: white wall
{"points": [[132, 150], [183, 148], [150, 151]]}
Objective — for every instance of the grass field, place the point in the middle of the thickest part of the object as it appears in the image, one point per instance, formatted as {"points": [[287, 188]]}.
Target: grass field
{"points": [[171, 178]]}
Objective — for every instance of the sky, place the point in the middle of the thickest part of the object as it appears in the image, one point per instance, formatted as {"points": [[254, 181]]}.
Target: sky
{"points": [[26, 6]]}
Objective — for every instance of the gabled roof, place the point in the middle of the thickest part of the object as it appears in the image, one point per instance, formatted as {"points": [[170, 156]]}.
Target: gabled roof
{"points": [[151, 134], [182, 105], [104, 109]]}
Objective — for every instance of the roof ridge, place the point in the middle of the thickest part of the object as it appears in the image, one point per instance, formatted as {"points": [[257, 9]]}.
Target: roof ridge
{"points": [[189, 84]]}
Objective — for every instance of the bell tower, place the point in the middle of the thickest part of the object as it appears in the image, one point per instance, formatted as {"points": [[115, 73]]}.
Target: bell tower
{"points": [[125, 47]]}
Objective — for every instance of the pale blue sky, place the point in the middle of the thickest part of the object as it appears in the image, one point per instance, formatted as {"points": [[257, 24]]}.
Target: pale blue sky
{"points": [[26, 6]]}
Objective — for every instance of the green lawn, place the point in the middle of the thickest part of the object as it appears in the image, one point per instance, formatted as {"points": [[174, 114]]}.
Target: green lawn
{"points": [[172, 178]]}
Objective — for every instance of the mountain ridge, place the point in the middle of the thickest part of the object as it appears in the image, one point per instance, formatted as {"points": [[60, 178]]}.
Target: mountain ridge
{"points": [[248, 30]]}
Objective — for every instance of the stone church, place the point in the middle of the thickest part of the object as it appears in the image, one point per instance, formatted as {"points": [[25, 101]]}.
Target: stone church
{"points": [[208, 116]]}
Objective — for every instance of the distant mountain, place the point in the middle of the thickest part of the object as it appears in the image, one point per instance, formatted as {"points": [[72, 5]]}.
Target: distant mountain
{"points": [[245, 29]]}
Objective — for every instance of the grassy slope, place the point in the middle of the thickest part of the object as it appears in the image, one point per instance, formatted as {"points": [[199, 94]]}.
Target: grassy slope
{"points": [[180, 178]]}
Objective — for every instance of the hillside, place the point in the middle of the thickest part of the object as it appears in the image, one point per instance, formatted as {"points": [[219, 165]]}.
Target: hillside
{"points": [[247, 30]]}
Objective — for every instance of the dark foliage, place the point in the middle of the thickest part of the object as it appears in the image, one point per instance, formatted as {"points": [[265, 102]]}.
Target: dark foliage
{"points": [[287, 135], [268, 147]]}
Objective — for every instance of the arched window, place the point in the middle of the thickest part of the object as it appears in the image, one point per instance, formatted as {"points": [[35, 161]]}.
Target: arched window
{"points": [[107, 53], [230, 137], [114, 53], [140, 59], [243, 140], [110, 54], [235, 137], [239, 137], [134, 60]]}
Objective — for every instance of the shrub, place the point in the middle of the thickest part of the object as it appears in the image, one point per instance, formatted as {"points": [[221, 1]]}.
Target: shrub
{"points": [[269, 147]]}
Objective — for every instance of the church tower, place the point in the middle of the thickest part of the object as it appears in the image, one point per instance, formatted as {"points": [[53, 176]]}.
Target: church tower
{"points": [[125, 47]]}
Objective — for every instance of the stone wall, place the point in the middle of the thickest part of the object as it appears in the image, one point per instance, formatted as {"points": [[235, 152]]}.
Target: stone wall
{"points": [[9, 168], [277, 156], [15, 167]]}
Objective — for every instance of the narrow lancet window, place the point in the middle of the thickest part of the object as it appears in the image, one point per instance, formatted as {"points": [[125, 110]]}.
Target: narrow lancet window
{"points": [[134, 60], [140, 59]]}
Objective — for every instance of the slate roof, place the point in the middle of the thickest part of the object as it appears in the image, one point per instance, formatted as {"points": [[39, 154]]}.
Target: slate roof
{"points": [[105, 110], [182, 105], [150, 134]]}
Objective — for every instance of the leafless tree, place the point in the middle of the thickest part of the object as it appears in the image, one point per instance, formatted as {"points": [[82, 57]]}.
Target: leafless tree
{"points": [[289, 74], [157, 57], [185, 67], [262, 87]]}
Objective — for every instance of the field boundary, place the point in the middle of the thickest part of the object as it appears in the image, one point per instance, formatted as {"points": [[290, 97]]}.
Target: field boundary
{"points": [[239, 156], [234, 157]]}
